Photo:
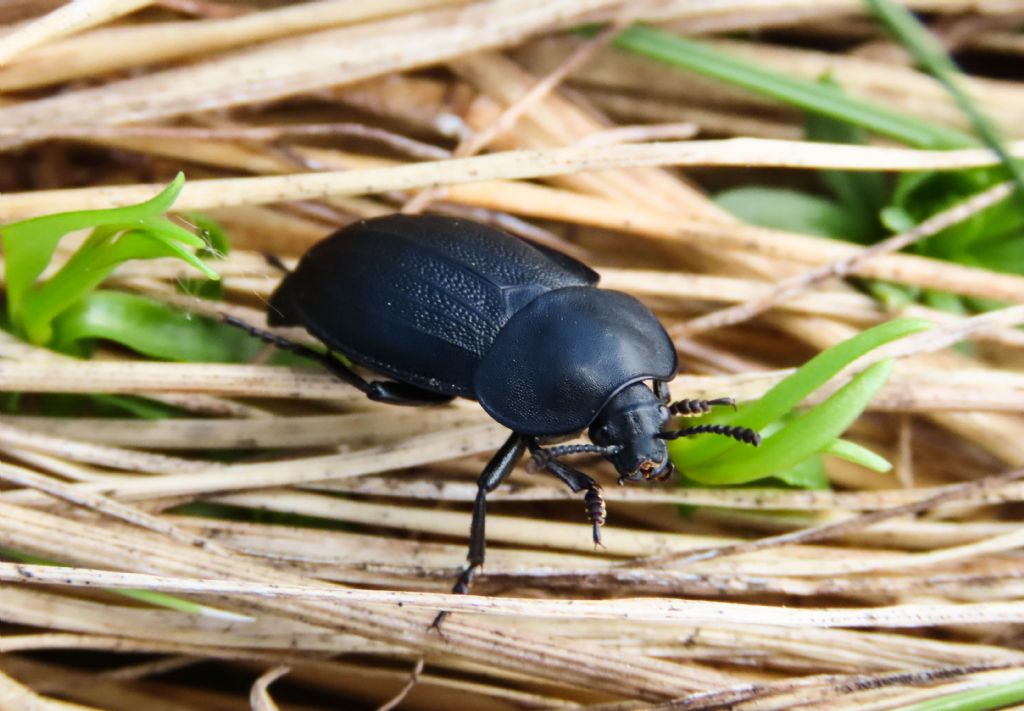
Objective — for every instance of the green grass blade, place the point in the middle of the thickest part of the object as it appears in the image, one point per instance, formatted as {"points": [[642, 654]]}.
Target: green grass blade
{"points": [[803, 437], [808, 474], [933, 57], [853, 452], [29, 244], [790, 392], [806, 95], [997, 696], [786, 209], [179, 604], [151, 328]]}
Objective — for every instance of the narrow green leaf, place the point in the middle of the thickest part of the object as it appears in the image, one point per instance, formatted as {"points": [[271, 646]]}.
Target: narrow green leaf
{"points": [[808, 474], [927, 50], [996, 696], [151, 328], [790, 210], [29, 244], [806, 95], [180, 604], [804, 436], [944, 301], [861, 194], [790, 392], [853, 452]]}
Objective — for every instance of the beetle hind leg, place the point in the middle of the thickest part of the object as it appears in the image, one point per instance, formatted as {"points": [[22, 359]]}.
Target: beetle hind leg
{"points": [[496, 471], [386, 391]]}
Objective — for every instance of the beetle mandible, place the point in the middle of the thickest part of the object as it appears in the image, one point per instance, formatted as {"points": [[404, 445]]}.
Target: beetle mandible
{"points": [[451, 308]]}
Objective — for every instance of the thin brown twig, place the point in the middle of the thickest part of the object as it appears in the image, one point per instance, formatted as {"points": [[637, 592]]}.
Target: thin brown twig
{"points": [[795, 285], [259, 696], [404, 144], [104, 505], [204, 8], [831, 530], [414, 677], [643, 133], [507, 119]]}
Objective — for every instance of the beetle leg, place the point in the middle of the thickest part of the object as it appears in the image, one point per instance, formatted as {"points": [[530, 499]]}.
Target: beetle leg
{"points": [[390, 392], [577, 481], [563, 450], [496, 471]]}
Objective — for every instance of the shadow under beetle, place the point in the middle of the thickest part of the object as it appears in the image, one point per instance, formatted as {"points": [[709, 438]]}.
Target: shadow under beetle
{"points": [[451, 308]]}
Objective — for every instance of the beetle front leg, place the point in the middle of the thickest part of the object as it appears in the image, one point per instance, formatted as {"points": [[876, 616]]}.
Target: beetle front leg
{"points": [[496, 471], [576, 480]]}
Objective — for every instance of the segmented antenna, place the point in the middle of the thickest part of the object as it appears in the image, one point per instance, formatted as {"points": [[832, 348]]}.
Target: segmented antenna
{"points": [[689, 408], [740, 434]]}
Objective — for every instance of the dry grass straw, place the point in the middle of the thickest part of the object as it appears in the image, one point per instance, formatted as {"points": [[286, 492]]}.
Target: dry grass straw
{"points": [[896, 588]]}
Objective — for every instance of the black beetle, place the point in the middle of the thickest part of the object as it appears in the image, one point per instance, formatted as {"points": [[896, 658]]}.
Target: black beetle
{"points": [[451, 308]]}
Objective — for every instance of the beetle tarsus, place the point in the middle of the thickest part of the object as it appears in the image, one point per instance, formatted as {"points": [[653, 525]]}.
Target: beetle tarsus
{"points": [[438, 621], [597, 512], [576, 480]]}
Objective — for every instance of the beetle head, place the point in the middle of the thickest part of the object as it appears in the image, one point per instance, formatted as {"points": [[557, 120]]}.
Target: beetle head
{"points": [[629, 424]]}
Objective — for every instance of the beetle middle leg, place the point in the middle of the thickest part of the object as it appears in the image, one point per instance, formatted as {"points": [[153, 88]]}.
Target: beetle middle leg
{"points": [[387, 391], [575, 480], [496, 471]]}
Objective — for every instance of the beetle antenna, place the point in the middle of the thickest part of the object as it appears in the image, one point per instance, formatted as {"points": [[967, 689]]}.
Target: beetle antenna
{"points": [[569, 449], [740, 434], [689, 408]]}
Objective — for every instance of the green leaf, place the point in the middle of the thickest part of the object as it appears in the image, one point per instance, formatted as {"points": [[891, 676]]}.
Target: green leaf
{"points": [[179, 604], [853, 452], [807, 434], [929, 52], [120, 234], [151, 328], [920, 195], [790, 392], [132, 405], [808, 474], [944, 301], [810, 96], [29, 244], [790, 210], [861, 194], [892, 296]]}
